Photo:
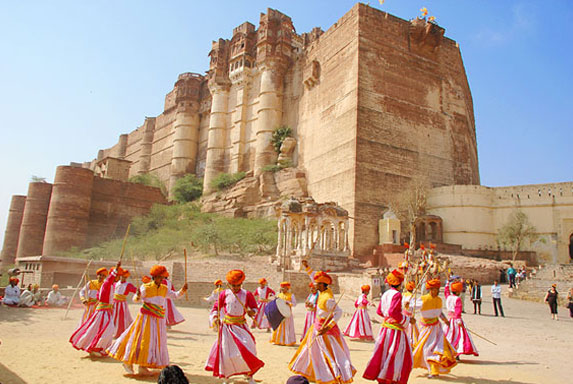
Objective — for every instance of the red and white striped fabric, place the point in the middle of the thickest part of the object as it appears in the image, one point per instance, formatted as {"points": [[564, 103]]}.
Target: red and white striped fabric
{"points": [[121, 316], [456, 332], [392, 358], [412, 330], [360, 326], [310, 316], [96, 333], [172, 315], [262, 295]]}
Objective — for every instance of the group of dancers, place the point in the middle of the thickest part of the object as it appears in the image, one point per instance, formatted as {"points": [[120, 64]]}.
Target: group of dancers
{"points": [[322, 356]]}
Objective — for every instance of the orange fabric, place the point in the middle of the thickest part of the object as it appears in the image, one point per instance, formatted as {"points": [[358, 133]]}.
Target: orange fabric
{"points": [[365, 288], [55, 286], [410, 286], [119, 271], [285, 284], [395, 277], [145, 279], [434, 283], [311, 284], [158, 270], [262, 281], [15, 280], [126, 273], [235, 277], [457, 286], [101, 271], [322, 277], [218, 282]]}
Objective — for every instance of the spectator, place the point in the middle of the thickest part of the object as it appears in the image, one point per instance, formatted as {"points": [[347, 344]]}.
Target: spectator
{"points": [[297, 380], [55, 297], [496, 296], [511, 276], [172, 374], [12, 292], [476, 296], [570, 302], [551, 299], [31, 296]]}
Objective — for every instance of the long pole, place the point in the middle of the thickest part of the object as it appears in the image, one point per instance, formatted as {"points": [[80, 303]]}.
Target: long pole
{"points": [[481, 337], [185, 254], [124, 242], [77, 288]]}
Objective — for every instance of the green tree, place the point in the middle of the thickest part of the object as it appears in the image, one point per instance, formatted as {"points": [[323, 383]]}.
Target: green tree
{"points": [[279, 135], [187, 188], [410, 205], [516, 232]]}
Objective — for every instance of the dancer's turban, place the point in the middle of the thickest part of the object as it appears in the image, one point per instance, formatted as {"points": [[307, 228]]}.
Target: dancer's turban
{"points": [[322, 277], [145, 279], [262, 281], [235, 277], [395, 277], [311, 284], [365, 288], [158, 270], [410, 286], [434, 283], [457, 286], [101, 271], [285, 284], [218, 282]]}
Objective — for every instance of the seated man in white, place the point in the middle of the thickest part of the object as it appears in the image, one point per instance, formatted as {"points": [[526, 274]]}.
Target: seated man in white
{"points": [[55, 298]]}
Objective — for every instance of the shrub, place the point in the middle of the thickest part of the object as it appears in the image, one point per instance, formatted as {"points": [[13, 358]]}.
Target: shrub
{"points": [[187, 188], [279, 135], [226, 180], [277, 167], [149, 179]]}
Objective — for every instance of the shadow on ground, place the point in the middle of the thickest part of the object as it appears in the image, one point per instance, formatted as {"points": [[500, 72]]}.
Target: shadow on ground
{"points": [[9, 377]]}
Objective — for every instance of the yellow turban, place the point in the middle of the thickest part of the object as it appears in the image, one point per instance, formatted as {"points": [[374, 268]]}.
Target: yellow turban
{"points": [[322, 277], [101, 271], [410, 286]]}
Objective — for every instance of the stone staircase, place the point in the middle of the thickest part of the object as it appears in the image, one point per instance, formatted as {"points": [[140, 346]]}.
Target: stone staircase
{"points": [[535, 288]]}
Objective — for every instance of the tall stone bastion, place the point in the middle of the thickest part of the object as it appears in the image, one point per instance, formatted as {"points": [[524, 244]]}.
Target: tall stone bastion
{"points": [[373, 102]]}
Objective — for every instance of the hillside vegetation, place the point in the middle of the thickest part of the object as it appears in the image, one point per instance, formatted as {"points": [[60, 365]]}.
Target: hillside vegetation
{"points": [[166, 230]]}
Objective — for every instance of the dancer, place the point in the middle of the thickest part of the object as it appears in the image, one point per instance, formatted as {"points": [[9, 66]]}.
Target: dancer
{"points": [[212, 298], [144, 342], [433, 350], [121, 316], [310, 305], [234, 351], [392, 358], [407, 304], [284, 334], [457, 334], [360, 326], [88, 294], [263, 295], [323, 356], [96, 333], [172, 315]]}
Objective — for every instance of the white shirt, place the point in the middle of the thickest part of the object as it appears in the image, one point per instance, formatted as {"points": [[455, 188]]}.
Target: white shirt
{"points": [[12, 293], [496, 291], [54, 298]]}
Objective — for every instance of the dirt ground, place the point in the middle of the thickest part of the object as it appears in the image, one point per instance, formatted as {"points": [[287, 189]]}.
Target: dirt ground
{"points": [[531, 348]]}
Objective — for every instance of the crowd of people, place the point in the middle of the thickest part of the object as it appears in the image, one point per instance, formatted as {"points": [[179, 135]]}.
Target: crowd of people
{"points": [[31, 296]]}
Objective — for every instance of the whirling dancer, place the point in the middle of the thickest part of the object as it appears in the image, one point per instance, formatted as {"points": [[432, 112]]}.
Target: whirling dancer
{"points": [[360, 326], [121, 316], [88, 294], [212, 298], [407, 304], [323, 356], [96, 333], [145, 341], [456, 333], [310, 305], [263, 294], [284, 334], [433, 351], [234, 352], [392, 358], [172, 315]]}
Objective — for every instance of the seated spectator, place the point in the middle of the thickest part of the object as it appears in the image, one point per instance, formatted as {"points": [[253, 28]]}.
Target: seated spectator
{"points": [[297, 380], [12, 292], [31, 296], [55, 298], [172, 374]]}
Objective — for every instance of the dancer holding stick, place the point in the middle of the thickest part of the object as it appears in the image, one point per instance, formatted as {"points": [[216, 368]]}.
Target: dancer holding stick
{"points": [[83, 278]]}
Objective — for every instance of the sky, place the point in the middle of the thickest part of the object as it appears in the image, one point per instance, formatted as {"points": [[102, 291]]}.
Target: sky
{"points": [[74, 75]]}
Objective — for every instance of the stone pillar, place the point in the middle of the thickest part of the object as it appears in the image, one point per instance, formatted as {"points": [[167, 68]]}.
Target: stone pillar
{"points": [[146, 146], [12, 233], [185, 142], [122, 146], [215, 161], [34, 221], [68, 215], [269, 113], [242, 83]]}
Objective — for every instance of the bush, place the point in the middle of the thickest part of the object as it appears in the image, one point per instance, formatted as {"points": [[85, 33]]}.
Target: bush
{"points": [[226, 180], [277, 167], [150, 180], [279, 135], [187, 188]]}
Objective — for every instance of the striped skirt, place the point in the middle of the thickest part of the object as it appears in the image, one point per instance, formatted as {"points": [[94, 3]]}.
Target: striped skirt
{"points": [[460, 339], [308, 321], [433, 351], [121, 317], [284, 334], [261, 320], [360, 326], [172, 315], [89, 310], [95, 334]]}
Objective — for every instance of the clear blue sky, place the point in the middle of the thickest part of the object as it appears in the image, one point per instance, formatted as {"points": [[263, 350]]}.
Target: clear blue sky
{"points": [[74, 75]]}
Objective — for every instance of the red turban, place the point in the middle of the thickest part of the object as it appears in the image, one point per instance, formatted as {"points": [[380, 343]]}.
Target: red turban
{"points": [[285, 284], [262, 281], [158, 270], [434, 283], [15, 280], [365, 288], [322, 277], [101, 271], [119, 271], [235, 277], [145, 279], [410, 286], [395, 277], [457, 286], [311, 284], [218, 282], [126, 273]]}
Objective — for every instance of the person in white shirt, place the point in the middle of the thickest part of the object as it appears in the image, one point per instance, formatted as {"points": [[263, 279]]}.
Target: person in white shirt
{"points": [[31, 296], [12, 292], [496, 296], [55, 298]]}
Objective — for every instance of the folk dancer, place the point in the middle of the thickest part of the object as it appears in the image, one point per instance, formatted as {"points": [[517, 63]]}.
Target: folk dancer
{"points": [[392, 358], [310, 305], [144, 342], [88, 294], [323, 356], [172, 315], [12, 292], [433, 351], [407, 303], [96, 333], [360, 326], [55, 297], [234, 352], [263, 294], [456, 333], [285, 334], [212, 298], [121, 316]]}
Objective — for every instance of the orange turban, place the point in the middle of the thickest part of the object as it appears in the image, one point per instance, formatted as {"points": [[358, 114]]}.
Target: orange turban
{"points": [[262, 281], [434, 283], [55, 286], [15, 280], [145, 279], [235, 277], [457, 286], [322, 277], [311, 284], [101, 271], [285, 284], [410, 286], [119, 271], [158, 270], [395, 277], [218, 282], [365, 288], [126, 273]]}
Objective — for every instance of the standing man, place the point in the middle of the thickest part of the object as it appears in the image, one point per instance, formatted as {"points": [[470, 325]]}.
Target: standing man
{"points": [[88, 294], [496, 296], [263, 295], [511, 276]]}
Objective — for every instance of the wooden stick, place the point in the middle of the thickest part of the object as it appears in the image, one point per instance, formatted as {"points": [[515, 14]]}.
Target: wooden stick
{"points": [[328, 318], [84, 275], [243, 305], [481, 337], [185, 254], [124, 242]]}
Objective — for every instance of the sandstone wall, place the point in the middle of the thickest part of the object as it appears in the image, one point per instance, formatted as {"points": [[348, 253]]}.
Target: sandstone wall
{"points": [[12, 233], [33, 225]]}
